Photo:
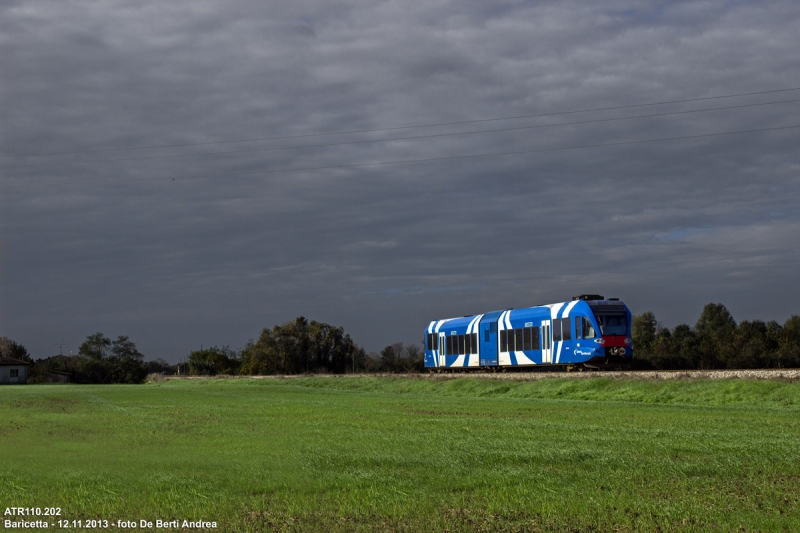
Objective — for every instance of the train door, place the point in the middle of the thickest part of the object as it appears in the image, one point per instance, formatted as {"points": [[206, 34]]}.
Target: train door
{"points": [[547, 342], [442, 349], [488, 343]]}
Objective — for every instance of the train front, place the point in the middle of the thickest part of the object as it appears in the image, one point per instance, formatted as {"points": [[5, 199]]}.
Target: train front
{"points": [[613, 322]]}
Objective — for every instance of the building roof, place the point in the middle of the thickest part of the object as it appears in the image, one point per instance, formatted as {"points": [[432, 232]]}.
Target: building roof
{"points": [[9, 361]]}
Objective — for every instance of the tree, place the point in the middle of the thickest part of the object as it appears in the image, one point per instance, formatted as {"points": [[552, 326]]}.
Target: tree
{"points": [[14, 350], [96, 346], [788, 350], [750, 347], [159, 366], [123, 347], [414, 358], [715, 330], [390, 357], [643, 333], [302, 346], [716, 341], [684, 345], [101, 360], [400, 357], [261, 358], [213, 361], [292, 341]]}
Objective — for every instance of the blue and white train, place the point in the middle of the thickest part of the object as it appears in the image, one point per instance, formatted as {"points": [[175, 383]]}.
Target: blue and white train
{"points": [[589, 331]]}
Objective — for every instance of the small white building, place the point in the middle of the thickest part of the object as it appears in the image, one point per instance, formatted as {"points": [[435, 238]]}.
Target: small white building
{"points": [[13, 371]]}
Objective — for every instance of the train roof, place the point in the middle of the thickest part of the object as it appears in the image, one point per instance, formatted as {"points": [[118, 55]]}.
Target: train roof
{"points": [[596, 303]]}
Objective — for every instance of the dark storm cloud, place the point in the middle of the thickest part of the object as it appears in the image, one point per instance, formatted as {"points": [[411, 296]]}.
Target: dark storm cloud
{"points": [[383, 249]]}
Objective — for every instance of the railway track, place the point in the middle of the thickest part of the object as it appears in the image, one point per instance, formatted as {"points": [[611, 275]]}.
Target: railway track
{"points": [[783, 374], [779, 374]]}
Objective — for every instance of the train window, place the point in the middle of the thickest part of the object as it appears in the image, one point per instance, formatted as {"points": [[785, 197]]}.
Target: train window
{"points": [[588, 329], [535, 337], [527, 339], [510, 335], [612, 323], [503, 344], [461, 345], [556, 329], [468, 343], [518, 336], [578, 328], [449, 347], [565, 329], [486, 337], [474, 343], [435, 341], [430, 341]]}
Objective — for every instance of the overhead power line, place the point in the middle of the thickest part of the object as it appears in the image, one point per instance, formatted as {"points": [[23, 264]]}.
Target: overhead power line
{"points": [[431, 125], [414, 137], [406, 161]]}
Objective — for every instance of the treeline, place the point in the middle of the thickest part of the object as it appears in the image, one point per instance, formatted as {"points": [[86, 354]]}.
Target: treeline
{"points": [[99, 360], [296, 347], [716, 341], [299, 347]]}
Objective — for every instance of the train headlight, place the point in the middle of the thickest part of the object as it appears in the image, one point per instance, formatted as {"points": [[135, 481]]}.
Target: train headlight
{"points": [[622, 351]]}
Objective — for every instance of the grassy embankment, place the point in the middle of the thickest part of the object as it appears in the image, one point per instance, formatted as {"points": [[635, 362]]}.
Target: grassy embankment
{"points": [[349, 454]]}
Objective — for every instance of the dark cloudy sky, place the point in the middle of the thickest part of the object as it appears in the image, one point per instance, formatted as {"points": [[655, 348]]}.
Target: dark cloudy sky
{"points": [[98, 239]]}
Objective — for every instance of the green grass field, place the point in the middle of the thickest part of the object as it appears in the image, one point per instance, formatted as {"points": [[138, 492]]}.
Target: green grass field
{"points": [[410, 454]]}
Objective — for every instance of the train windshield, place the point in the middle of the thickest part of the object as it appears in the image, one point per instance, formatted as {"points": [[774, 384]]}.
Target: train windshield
{"points": [[612, 323]]}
